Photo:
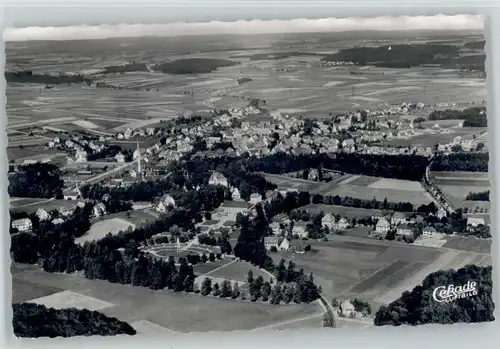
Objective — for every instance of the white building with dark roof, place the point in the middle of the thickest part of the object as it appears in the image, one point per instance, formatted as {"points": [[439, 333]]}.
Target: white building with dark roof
{"points": [[22, 225], [218, 178], [382, 226], [42, 214]]}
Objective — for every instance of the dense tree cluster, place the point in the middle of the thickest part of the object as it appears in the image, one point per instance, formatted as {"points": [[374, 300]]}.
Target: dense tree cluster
{"points": [[418, 306], [37, 180], [34, 320], [396, 56], [125, 68], [473, 117], [389, 166], [295, 285], [193, 65], [373, 204], [27, 76], [479, 196], [46, 236], [457, 162], [250, 245]]}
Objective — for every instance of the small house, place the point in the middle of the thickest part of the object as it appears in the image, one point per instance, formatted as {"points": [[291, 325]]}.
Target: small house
{"points": [[429, 232], [255, 198], [404, 231], [42, 214], [328, 220], [347, 309], [99, 210], [398, 218], [382, 226]]}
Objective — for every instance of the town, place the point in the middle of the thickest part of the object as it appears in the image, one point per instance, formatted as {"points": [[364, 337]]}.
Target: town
{"points": [[246, 204]]}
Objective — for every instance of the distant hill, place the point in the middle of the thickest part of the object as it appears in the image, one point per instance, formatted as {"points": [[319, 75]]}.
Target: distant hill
{"points": [[418, 307]]}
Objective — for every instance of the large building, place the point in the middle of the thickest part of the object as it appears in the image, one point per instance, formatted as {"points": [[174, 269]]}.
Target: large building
{"points": [[232, 208], [22, 225]]}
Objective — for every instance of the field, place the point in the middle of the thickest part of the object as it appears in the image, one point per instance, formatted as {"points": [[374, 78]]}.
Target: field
{"points": [[145, 97], [456, 185], [159, 311], [102, 228], [365, 187], [31, 205], [360, 187], [236, 271], [376, 271], [430, 139]]}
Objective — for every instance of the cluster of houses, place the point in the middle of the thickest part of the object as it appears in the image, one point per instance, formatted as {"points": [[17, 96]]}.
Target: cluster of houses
{"points": [[77, 144], [26, 225]]}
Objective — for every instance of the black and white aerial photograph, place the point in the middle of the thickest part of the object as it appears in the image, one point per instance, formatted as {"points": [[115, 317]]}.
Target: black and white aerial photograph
{"points": [[255, 176]]}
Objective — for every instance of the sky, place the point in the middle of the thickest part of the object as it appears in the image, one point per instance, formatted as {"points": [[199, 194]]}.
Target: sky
{"points": [[438, 22]]}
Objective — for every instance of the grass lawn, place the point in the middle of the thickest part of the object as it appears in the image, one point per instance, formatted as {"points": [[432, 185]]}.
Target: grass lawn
{"points": [[238, 271]]}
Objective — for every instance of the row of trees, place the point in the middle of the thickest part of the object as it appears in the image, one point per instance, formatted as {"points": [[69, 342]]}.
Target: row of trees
{"points": [[37, 180], [468, 162], [479, 196], [32, 320], [418, 307]]}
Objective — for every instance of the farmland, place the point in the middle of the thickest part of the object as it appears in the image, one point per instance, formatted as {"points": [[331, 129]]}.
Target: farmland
{"points": [[293, 83], [360, 187], [177, 312], [456, 185], [378, 271], [367, 188]]}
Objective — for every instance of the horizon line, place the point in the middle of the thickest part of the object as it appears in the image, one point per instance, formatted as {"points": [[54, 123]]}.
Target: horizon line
{"points": [[243, 27]]}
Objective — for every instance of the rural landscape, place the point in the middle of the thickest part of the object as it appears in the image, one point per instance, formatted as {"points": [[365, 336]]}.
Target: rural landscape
{"points": [[247, 182]]}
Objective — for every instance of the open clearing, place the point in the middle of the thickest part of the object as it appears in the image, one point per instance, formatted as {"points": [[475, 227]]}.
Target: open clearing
{"points": [[178, 312], [102, 228], [68, 299], [237, 271]]}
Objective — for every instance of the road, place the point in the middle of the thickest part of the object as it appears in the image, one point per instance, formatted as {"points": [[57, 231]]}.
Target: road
{"points": [[104, 175]]}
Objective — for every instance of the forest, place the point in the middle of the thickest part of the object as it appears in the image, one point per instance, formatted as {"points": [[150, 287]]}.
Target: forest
{"points": [[396, 56], [28, 77], [457, 162], [193, 65], [473, 117], [418, 306], [32, 320], [36, 181]]}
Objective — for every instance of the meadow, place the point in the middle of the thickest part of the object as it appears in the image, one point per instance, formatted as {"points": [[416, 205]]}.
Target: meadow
{"points": [[456, 185], [178, 312], [376, 271]]}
